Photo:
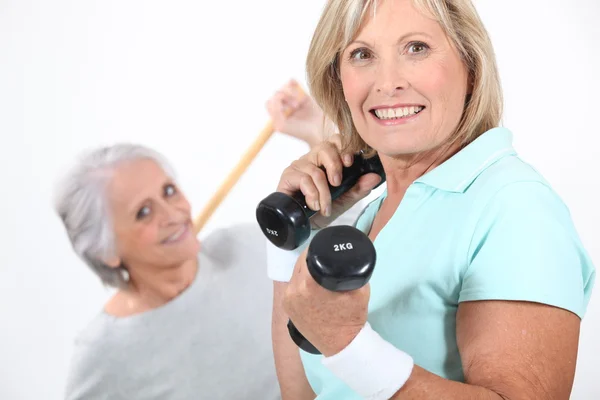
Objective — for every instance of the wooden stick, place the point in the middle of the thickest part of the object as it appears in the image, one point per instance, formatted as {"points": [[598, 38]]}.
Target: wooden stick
{"points": [[236, 173]]}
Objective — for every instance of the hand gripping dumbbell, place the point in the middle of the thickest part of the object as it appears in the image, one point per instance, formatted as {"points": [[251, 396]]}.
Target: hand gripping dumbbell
{"points": [[285, 220], [339, 258]]}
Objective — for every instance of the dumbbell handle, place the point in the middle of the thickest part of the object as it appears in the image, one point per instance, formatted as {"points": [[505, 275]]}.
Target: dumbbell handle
{"points": [[285, 219], [350, 175], [300, 340]]}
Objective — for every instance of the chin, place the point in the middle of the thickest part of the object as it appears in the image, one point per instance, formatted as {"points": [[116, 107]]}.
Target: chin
{"points": [[398, 149], [184, 253]]}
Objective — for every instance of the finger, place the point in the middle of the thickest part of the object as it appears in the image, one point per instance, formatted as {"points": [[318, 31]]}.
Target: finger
{"points": [[329, 157], [289, 183], [292, 96], [278, 111], [319, 179], [288, 107], [301, 176], [348, 159], [274, 104], [337, 140], [363, 187], [309, 165], [311, 193], [367, 182]]}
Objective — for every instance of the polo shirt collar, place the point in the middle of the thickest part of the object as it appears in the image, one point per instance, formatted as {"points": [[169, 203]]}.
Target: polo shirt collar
{"points": [[458, 172]]}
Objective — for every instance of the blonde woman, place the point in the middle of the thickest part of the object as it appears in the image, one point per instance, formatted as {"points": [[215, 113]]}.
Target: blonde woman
{"points": [[481, 279]]}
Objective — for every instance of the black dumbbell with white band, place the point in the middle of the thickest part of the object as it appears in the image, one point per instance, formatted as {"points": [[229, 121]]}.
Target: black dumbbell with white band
{"points": [[339, 258], [285, 220]]}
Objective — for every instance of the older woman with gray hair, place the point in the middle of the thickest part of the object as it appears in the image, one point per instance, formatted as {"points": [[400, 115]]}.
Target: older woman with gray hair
{"points": [[187, 320]]}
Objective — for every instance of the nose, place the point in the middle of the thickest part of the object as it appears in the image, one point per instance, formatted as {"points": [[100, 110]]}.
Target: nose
{"points": [[170, 214], [390, 78]]}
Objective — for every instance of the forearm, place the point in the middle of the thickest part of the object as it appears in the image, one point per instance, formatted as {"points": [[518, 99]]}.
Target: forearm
{"points": [[290, 372], [376, 369], [422, 384]]}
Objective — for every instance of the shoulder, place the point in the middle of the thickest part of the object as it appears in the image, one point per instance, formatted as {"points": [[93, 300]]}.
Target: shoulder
{"points": [[98, 340], [237, 244], [505, 172], [92, 362], [512, 187], [512, 197], [523, 244], [241, 235]]}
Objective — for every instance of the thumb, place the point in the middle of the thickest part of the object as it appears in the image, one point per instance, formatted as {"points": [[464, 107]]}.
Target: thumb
{"points": [[361, 189], [366, 183]]}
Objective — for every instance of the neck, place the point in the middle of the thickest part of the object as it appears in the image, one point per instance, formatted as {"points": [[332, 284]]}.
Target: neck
{"points": [[151, 287], [402, 171]]}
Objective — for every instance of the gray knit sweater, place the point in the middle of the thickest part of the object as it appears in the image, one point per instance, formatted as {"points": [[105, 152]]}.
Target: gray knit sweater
{"points": [[211, 342]]}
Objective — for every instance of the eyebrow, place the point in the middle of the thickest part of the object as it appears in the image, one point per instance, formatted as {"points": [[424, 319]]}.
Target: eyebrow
{"points": [[135, 206], [402, 38], [138, 203]]}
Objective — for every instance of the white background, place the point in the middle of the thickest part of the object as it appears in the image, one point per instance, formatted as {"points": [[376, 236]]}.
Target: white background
{"points": [[190, 78]]}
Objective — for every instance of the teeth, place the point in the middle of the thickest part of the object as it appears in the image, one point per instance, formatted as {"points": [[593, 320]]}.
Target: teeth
{"points": [[176, 235], [390, 113]]}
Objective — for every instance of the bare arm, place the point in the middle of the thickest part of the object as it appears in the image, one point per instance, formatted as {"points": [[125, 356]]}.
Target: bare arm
{"points": [[290, 372], [509, 351]]}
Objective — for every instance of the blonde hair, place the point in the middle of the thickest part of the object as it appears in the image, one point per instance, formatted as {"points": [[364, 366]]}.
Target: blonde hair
{"points": [[339, 25]]}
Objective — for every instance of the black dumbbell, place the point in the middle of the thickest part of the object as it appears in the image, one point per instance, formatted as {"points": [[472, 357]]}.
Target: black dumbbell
{"points": [[285, 220], [339, 258]]}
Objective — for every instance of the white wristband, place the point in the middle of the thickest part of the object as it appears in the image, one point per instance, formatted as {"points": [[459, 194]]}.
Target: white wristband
{"points": [[371, 366], [281, 263]]}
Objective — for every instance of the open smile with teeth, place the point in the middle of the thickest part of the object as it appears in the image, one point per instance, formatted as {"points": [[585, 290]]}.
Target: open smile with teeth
{"points": [[177, 235], [396, 113]]}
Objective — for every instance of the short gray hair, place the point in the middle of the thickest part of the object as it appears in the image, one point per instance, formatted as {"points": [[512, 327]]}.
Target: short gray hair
{"points": [[81, 203]]}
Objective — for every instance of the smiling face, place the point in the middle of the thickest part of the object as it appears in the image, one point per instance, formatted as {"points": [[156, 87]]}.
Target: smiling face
{"points": [[151, 218], [404, 82]]}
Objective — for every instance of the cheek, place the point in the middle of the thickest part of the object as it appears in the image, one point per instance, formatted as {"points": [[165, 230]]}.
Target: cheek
{"points": [[148, 235], [432, 81], [355, 87], [134, 240], [445, 87]]}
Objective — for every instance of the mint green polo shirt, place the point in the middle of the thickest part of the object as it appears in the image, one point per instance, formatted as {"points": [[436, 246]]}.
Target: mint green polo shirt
{"points": [[484, 225]]}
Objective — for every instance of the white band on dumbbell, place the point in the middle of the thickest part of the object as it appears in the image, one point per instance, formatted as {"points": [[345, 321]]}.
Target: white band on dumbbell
{"points": [[281, 263], [371, 366]]}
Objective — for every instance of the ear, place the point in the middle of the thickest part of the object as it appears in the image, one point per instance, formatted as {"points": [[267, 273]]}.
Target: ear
{"points": [[112, 262]]}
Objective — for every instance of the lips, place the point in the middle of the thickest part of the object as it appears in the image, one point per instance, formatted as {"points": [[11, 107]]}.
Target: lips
{"points": [[178, 235], [397, 112]]}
